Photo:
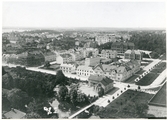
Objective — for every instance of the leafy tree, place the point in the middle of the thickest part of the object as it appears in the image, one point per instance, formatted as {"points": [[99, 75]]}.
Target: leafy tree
{"points": [[73, 96], [60, 78], [47, 64], [7, 81], [3, 71], [141, 109], [63, 92], [18, 98], [101, 92], [139, 87]]}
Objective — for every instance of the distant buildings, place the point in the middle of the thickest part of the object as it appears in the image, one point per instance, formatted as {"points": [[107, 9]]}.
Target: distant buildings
{"points": [[133, 55], [121, 47], [64, 58], [50, 56], [98, 81], [92, 61], [88, 52], [109, 53], [101, 39]]}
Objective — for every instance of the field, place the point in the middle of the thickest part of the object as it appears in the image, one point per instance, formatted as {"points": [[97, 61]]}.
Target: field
{"points": [[149, 78], [125, 105]]}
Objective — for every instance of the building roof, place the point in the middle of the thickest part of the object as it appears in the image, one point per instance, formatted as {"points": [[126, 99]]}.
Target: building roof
{"points": [[14, 114], [82, 67], [135, 51], [108, 51], [99, 78], [49, 53], [159, 99], [65, 55], [67, 65]]}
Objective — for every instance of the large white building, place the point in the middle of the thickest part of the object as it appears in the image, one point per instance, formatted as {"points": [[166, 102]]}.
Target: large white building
{"points": [[68, 68], [109, 53], [84, 71]]}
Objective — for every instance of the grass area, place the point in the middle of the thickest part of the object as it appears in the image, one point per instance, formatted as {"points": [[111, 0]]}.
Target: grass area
{"points": [[131, 79], [148, 79], [125, 105]]}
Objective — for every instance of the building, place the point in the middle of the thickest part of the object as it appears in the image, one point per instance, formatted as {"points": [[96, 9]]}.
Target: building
{"points": [[77, 55], [92, 61], [97, 81], [121, 47], [157, 104], [84, 71], [64, 58], [133, 55], [115, 72], [14, 114], [109, 53], [101, 39], [90, 52], [91, 44], [68, 68], [50, 56]]}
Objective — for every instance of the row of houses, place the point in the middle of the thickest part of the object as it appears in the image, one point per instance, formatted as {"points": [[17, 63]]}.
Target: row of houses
{"points": [[116, 71]]}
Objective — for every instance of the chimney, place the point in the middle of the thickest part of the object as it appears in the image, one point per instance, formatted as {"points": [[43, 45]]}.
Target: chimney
{"points": [[12, 109]]}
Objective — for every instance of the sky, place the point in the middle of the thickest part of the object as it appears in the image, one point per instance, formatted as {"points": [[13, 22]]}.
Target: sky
{"points": [[84, 14]]}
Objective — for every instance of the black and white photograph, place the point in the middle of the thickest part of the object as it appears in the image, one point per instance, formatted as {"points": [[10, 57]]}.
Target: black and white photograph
{"points": [[83, 59]]}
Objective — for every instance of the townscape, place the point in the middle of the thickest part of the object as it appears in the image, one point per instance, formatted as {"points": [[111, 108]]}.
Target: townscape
{"points": [[89, 73], [97, 70]]}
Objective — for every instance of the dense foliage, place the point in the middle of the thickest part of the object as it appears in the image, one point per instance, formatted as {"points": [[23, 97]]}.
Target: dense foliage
{"points": [[29, 91], [150, 40]]}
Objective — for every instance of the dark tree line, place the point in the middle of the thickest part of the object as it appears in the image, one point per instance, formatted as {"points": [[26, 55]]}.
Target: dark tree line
{"points": [[150, 40]]}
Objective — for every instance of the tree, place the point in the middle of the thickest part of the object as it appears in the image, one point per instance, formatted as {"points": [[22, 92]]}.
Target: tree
{"points": [[63, 92], [100, 91], [60, 78], [138, 87], [18, 98], [3, 71], [7, 81], [141, 110], [47, 64], [73, 95]]}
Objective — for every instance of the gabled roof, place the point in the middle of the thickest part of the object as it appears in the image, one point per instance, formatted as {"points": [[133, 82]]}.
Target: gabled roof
{"points": [[14, 114], [101, 79]]}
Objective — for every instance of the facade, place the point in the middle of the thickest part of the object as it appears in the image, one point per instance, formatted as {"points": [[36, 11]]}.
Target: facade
{"points": [[64, 58], [50, 56], [92, 61], [102, 39], [77, 56], [97, 81], [84, 71], [109, 53], [88, 52], [157, 104], [121, 47], [115, 72], [133, 55], [68, 68]]}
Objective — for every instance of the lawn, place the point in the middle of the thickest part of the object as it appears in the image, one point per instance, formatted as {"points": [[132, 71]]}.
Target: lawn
{"points": [[148, 79], [125, 105]]}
